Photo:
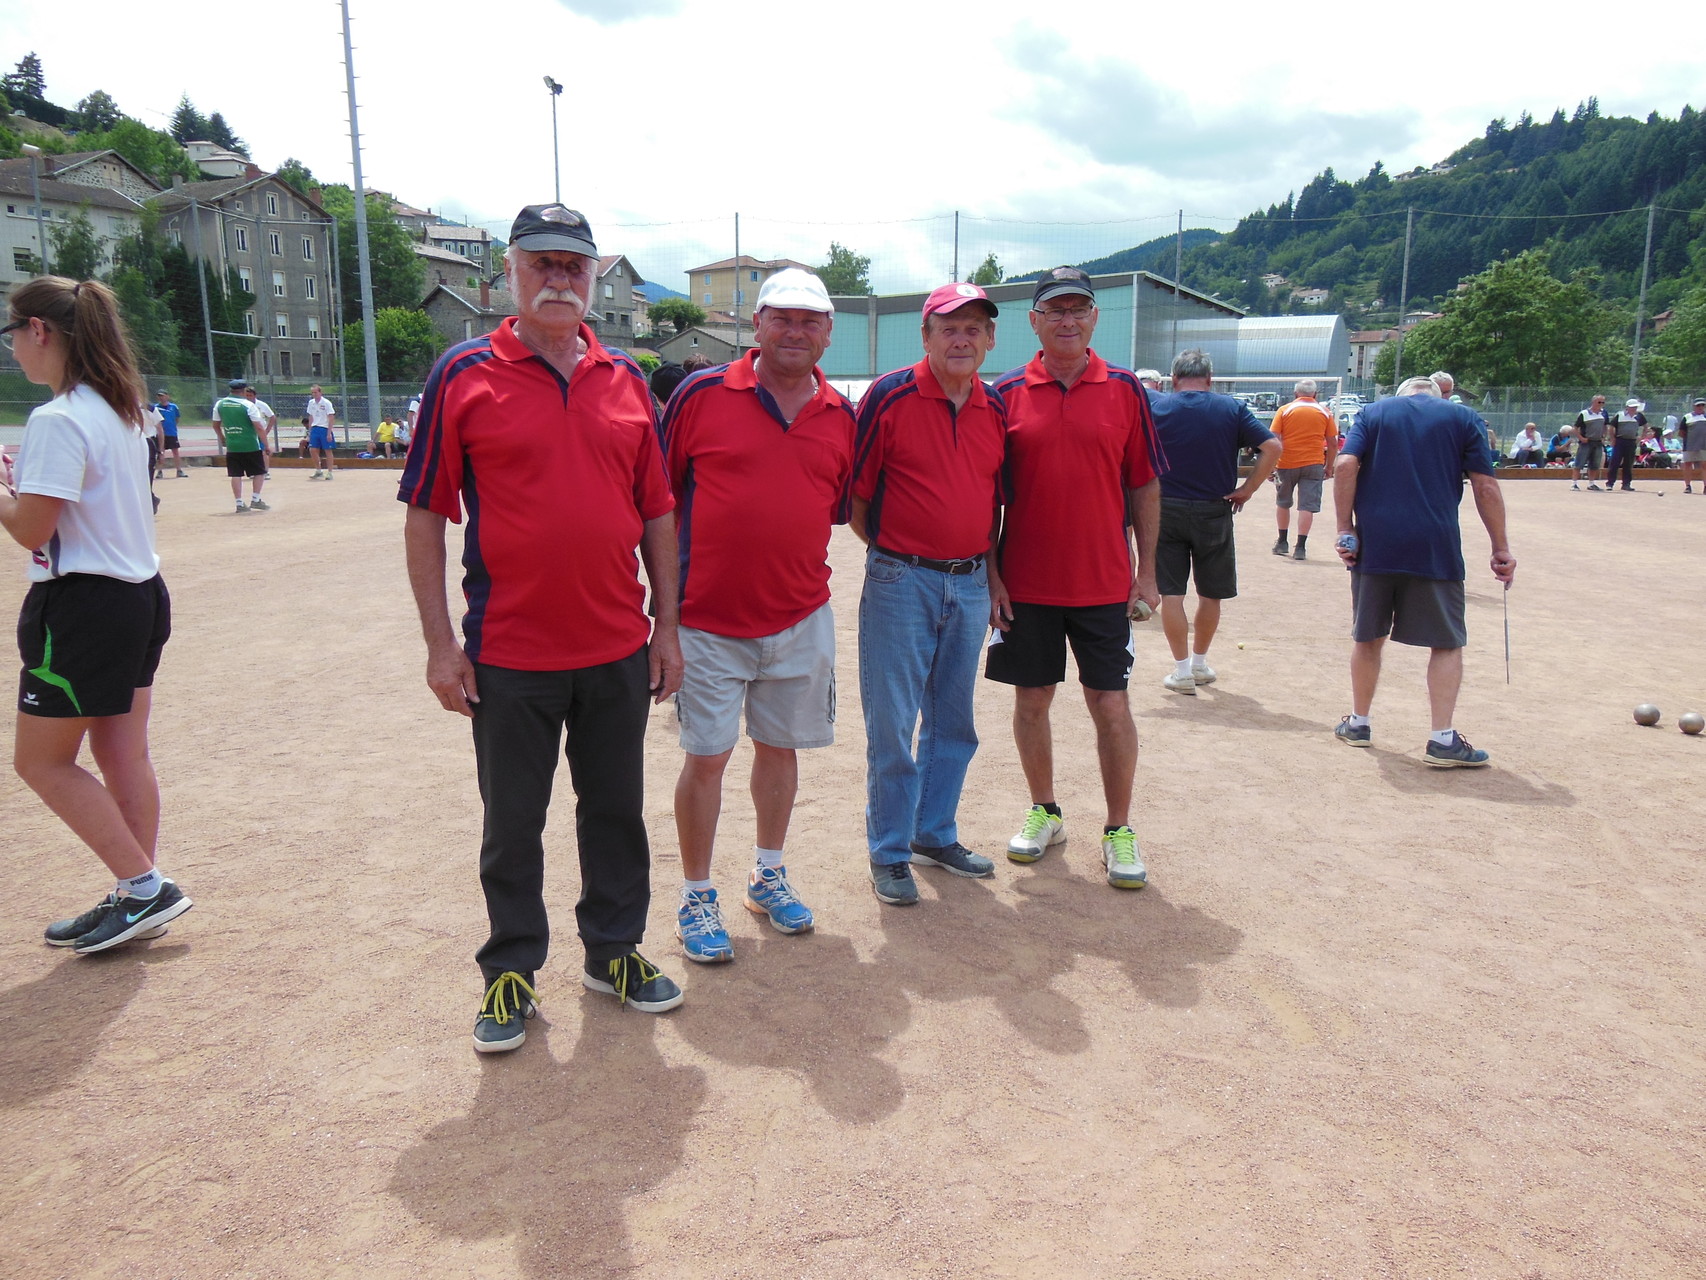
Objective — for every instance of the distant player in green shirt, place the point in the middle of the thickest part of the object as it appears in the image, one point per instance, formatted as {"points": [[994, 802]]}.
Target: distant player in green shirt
{"points": [[241, 427]]}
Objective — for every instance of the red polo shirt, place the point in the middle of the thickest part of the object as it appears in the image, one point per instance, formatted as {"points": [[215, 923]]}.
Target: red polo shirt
{"points": [[558, 478], [755, 498], [930, 472], [1071, 456]]}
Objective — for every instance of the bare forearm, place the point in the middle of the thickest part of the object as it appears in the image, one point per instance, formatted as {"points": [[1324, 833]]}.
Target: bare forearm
{"points": [[856, 521], [1490, 506], [663, 569], [1267, 458], [1345, 491], [1143, 509], [423, 548]]}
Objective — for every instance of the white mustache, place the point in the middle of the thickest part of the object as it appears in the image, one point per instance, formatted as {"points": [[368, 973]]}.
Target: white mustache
{"points": [[548, 294]]}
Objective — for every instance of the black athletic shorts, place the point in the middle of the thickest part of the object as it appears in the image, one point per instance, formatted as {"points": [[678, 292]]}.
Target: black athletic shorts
{"points": [[1033, 653], [169, 442], [250, 463], [1196, 541], [89, 642]]}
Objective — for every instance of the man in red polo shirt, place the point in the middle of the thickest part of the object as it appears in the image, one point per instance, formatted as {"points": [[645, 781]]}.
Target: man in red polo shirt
{"points": [[1083, 467], [549, 442], [926, 468], [758, 453]]}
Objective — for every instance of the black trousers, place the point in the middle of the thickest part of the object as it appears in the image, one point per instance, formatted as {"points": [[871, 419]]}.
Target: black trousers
{"points": [[1622, 455], [519, 725]]}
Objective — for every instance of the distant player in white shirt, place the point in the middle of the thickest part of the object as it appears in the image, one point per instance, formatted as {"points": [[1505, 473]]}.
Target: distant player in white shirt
{"points": [[321, 413]]}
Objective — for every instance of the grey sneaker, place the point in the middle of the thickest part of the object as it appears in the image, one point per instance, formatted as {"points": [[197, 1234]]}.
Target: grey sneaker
{"points": [[892, 882], [255, 504], [955, 858], [501, 1024], [1121, 859], [242, 510], [1300, 553], [1459, 755], [64, 933], [634, 981], [1282, 547], [1354, 735]]}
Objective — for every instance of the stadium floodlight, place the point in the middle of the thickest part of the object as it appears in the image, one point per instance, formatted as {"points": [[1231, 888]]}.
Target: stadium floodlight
{"points": [[556, 91]]}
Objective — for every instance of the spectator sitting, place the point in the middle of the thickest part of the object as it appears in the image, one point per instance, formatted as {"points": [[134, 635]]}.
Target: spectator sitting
{"points": [[1652, 453], [302, 449], [384, 437], [1526, 449], [1558, 448]]}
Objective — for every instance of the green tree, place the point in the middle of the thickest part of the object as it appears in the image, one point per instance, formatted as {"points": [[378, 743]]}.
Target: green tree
{"points": [[26, 80], [153, 152], [148, 316], [399, 277], [1677, 354], [219, 133], [988, 273], [649, 361], [98, 111], [227, 301], [846, 274], [407, 342], [683, 313], [188, 124], [77, 251], [298, 175]]}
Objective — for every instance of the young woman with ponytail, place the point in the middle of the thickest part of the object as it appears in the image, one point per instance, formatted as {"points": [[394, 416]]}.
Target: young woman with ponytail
{"points": [[97, 614]]}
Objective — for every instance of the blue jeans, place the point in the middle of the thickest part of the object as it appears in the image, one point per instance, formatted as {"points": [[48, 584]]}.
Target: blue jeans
{"points": [[920, 635]]}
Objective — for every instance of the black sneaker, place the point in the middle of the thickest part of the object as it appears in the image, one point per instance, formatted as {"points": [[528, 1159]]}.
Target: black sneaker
{"points": [[501, 1024], [62, 933], [634, 981], [1282, 548], [1300, 553], [892, 882], [1459, 755], [956, 858], [1354, 735], [130, 917]]}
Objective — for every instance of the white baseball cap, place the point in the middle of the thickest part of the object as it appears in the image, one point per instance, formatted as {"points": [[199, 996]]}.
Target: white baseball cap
{"points": [[795, 289], [1631, 403]]}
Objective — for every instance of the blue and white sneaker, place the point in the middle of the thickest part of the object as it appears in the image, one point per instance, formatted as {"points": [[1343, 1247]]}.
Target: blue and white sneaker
{"points": [[768, 893], [699, 925], [1459, 755]]}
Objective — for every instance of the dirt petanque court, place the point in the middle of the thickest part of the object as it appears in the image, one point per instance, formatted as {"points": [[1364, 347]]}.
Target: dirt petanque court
{"points": [[1368, 1020]]}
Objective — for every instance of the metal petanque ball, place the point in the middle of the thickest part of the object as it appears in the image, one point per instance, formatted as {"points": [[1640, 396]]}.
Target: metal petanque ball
{"points": [[1646, 713], [1691, 722]]}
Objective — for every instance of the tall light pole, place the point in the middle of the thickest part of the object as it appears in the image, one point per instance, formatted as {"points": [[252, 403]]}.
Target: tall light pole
{"points": [[556, 91], [364, 269], [34, 153]]}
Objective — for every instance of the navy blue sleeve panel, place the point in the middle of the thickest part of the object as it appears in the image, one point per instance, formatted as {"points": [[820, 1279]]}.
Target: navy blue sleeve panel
{"points": [[424, 466]]}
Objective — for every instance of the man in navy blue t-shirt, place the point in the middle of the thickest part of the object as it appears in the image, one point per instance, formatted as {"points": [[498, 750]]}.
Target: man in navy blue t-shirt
{"points": [[1201, 433], [1397, 488]]}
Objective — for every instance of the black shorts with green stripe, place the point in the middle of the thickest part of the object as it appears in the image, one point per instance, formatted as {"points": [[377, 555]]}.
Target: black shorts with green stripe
{"points": [[89, 642]]}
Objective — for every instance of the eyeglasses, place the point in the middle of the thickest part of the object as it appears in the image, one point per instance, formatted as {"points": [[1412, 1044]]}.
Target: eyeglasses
{"points": [[6, 333], [1054, 315]]}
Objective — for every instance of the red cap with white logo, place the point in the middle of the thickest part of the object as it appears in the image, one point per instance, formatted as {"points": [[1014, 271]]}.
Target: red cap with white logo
{"points": [[951, 297]]}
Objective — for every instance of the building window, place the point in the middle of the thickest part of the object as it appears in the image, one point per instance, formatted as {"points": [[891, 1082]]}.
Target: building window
{"points": [[314, 327], [609, 291], [476, 251], [22, 260], [609, 317], [237, 205], [304, 215], [242, 239], [307, 248], [116, 225], [284, 364], [754, 277], [283, 323], [272, 212], [707, 299], [308, 287], [246, 278], [707, 279], [314, 359], [467, 330], [278, 284], [177, 234], [249, 322], [740, 296], [275, 242]]}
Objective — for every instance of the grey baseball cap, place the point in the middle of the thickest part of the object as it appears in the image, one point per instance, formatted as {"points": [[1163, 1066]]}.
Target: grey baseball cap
{"points": [[542, 227]]}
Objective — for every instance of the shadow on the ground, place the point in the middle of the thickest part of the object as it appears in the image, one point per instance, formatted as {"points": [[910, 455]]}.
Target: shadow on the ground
{"points": [[552, 1150], [805, 1004], [52, 1027], [1405, 772], [1217, 706]]}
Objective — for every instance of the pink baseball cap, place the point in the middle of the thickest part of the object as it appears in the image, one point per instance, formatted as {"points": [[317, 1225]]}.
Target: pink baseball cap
{"points": [[951, 297]]}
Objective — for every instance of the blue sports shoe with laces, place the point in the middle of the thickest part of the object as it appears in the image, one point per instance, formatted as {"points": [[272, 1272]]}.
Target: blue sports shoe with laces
{"points": [[768, 893], [699, 925]]}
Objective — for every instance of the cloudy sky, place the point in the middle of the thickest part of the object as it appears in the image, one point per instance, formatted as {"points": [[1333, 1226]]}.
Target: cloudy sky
{"points": [[1060, 132]]}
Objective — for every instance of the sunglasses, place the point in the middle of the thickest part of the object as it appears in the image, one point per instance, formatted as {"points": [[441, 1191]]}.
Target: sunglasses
{"points": [[6, 332]]}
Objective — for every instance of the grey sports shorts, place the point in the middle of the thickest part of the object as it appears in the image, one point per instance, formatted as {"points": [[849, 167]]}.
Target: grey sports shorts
{"points": [[1305, 482], [1419, 611], [1590, 455], [785, 682]]}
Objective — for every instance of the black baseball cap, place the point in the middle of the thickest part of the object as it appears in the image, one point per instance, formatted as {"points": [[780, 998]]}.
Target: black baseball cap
{"points": [[1060, 282], [541, 227]]}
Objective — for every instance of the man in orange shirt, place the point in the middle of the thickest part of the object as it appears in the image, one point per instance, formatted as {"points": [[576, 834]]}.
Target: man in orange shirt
{"points": [[1311, 438]]}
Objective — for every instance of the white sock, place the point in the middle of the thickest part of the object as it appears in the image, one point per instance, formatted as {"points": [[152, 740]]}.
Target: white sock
{"points": [[1199, 660], [1359, 722], [1443, 736], [1182, 667], [768, 858], [695, 886], [145, 885]]}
